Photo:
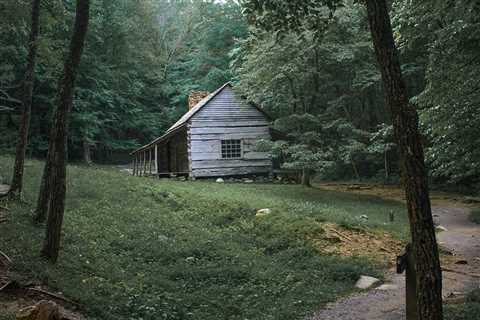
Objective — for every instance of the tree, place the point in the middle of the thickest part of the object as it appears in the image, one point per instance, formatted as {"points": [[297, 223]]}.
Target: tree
{"points": [[414, 173], [28, 83], [381, 143], [433, 34], [55, 167], [286, 15]]}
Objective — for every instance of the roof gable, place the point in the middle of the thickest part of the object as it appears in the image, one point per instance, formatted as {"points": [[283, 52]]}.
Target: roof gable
{"points": [[191, 113], [184, 119]]}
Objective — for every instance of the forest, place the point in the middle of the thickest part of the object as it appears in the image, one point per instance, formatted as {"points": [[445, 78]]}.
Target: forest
{"points": [[372, 105], [142, 58]]}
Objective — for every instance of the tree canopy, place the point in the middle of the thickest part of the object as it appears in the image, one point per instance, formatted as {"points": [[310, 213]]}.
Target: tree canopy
{"points": [[143, 58]]}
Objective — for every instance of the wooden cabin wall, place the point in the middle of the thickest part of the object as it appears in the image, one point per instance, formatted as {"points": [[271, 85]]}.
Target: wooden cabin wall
{"points": [[162, 161], [227, 117]]}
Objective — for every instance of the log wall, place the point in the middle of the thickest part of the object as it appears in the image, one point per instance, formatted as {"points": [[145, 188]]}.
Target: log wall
{"points": [[227, 117]]}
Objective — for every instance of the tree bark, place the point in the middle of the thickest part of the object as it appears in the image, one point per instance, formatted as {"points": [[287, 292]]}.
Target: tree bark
{"points": [[414, 173], [306, 178], [55, 168], [386, 167], [28, 82], [87, 152], [355, 169]]}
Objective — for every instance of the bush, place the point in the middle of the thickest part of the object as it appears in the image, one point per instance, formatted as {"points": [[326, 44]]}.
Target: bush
{"points": [[470, 310], [475, 216]]}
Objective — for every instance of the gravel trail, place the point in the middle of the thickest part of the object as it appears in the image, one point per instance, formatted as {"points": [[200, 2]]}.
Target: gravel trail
{"points": [[462, 237]]}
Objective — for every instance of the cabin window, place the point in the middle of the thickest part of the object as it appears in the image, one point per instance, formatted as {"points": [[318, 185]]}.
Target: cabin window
{"points": [[231, 149]]}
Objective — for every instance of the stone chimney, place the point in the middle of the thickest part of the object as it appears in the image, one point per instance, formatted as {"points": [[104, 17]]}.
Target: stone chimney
{"points": [[195, 97]]}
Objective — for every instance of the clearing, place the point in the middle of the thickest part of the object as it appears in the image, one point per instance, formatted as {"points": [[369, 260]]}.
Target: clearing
{"points": [[163, 249]]}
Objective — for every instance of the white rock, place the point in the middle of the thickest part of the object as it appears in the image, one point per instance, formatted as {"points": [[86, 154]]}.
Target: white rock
{"points": [[366, 282], [387, 287], [364, 216], [248, 181], [441, 228], [220, 180], [263, 212]]}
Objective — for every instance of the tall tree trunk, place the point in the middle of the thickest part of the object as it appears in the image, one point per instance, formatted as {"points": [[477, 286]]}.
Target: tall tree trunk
{"points": [[355, 169], [306, 178], [45, 189], [414, 174], [55, 168], [87, 151], [385, 159], [17, 179]]}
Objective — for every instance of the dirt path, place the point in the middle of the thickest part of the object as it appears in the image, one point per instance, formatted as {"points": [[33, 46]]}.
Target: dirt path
{"points": [[462, 237]]}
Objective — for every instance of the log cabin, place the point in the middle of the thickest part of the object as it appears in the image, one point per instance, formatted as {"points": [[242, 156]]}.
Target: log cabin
{"points": [[216, 137]]}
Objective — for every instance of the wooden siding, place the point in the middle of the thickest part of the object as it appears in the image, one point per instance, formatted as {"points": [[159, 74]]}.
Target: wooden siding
{"points": [[222, 118]]}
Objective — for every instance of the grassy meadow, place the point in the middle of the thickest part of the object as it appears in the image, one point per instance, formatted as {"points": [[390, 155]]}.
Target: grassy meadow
{"points": [[142, 248]]}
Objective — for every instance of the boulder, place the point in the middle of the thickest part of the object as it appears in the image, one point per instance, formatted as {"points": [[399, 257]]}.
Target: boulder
{"points": [[263, 212], [43, 310], [366, 282], [219, 180], [440, 228], [387, 287]]}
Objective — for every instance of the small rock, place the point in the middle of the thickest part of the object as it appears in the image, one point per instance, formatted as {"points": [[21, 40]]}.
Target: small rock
{"points": [[364, 216], [441, 228], [263, 212], [220, 180], [248, 181], [43, 310], [190, 259], [366, 282], [387, 287]]}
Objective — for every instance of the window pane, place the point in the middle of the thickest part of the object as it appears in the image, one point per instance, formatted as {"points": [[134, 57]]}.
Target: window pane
{"points": [[231, 149]]}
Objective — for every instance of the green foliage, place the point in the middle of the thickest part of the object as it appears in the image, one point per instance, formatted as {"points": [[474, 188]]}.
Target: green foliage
{"points": [[446, 50], [324, 88], [475, 215], [9, 316], [192, 249], [141, 60], [470, 310]]}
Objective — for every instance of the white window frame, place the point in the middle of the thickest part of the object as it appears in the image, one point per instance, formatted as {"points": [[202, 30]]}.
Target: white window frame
{"points": [[226, 157]]}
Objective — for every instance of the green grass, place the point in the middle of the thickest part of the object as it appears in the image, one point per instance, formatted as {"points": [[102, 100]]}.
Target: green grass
{"points": [[475, 215], [470, 310], [138, 248]]}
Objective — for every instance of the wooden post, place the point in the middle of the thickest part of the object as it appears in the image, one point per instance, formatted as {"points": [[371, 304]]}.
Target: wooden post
{"points": [[140, 164], [406, 262], [134, 164], [137, 164], [156, 158], [150, 161], [144, 162]]}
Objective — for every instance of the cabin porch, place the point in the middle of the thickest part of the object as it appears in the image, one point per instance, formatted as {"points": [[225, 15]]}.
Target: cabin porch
{"points": [[164, 158]]}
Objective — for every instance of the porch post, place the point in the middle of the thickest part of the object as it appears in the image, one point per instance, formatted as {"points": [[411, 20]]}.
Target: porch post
{"points": [[150, 161], [156, 159], [144, 162], [134, 164]]}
